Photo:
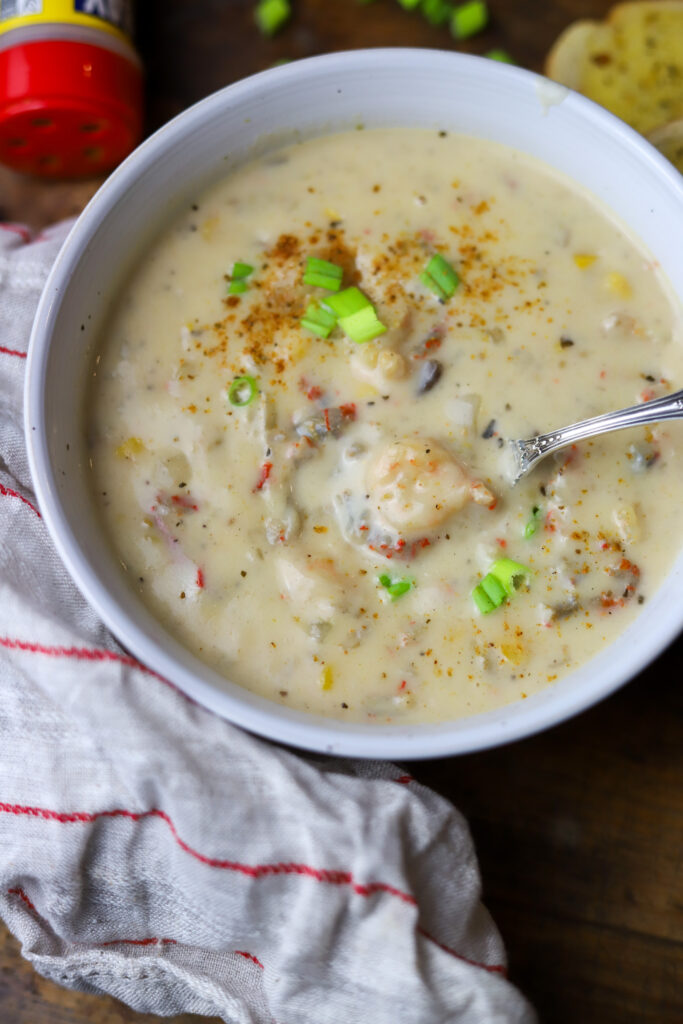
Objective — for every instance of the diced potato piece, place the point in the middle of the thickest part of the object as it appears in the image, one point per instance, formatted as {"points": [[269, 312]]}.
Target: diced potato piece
{"points": [[391, 364]]}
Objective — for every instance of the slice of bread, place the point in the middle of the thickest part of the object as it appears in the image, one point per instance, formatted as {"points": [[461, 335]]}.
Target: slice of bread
{"points": [[631, 63]]}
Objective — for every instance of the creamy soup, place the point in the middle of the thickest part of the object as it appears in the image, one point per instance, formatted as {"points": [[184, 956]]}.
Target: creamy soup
{"points": [[327, 520]]}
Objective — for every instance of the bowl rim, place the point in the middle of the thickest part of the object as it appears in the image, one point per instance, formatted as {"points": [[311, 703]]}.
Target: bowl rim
{"points": [[259, 715]]}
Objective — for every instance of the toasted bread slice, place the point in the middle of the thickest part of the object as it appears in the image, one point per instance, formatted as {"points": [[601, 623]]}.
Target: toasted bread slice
{"points": [[631, 63]]}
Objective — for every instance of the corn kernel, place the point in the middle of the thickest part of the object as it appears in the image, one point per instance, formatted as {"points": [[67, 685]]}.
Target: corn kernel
{"points": [[584, 259], [130, 448], [617, 283], [327, 678]]}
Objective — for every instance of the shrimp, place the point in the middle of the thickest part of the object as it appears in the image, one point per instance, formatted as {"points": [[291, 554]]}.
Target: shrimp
{"points": [[416, 485]]}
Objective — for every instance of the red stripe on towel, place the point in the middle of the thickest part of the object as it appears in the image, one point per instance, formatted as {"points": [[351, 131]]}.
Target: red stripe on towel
{"points": [[255, 871], [9, 493], [249, 956]]}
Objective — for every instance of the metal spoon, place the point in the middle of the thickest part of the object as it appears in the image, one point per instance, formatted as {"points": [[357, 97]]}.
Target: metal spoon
{"points": [[526, 454]]}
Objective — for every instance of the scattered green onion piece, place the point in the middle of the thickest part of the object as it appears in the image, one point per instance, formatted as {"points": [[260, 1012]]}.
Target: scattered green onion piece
{"points": [[508, 573], [493, 589], [357, 316], [346, 303], [532, 525], [436, 12], [237, 287], [440, 277], [395, 588], [242, 391], [501, 55], [362, 326], [468, 19], [318, 320], [409, 5], [482, 600], [498, 584], [238, 278], [240, 271], [271, 15], [322, 274]]}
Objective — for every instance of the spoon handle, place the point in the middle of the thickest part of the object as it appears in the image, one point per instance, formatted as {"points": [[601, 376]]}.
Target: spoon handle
{"points": [[668, 408]]}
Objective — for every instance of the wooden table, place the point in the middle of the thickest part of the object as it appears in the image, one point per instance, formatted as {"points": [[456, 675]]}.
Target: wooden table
{"points": [[580, 830]]}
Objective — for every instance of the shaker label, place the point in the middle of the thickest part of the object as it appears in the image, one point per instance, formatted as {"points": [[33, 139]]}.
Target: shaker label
{"points": [[117, 12], [15, 8]]}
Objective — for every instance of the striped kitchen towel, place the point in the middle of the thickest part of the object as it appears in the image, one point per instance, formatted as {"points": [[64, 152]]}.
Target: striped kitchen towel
{"points": [[151, 850]]}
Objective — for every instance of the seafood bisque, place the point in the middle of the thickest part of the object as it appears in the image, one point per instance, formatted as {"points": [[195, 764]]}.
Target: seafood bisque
{"points": [[299, 414]]}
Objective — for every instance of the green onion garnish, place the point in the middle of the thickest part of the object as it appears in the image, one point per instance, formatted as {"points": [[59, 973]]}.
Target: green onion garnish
{"points": [[242, 391], [395, 588], [509, 573], [322, 274], [271, 15], [500, 582], [436, 11], [362, 326], [468, 19], [237, 287], [502, 55], [409, 5], [241, 270], [238, 278], [440, 277], [346, 303], [357, 316], [318, 320], [532, 525], [482, 600]]}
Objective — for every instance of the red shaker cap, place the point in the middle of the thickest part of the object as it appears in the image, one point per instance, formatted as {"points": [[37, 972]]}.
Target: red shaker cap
{"points": [[67, 109]]}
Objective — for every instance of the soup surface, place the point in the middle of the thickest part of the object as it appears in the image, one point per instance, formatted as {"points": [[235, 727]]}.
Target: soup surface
{"points": [[328, 521]]}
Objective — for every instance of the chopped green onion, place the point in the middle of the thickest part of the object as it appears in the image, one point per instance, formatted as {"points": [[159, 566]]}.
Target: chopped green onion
{"points": [[271, 15], [240, 271], [322, 274], [395, 588], [508, 573], [440, 277], [436, 12], [346, 303], [242, 391], [501, 55], [482, 600], [409, 5], [468, 19], [238, 278], [532, 525], [498, 584], [237, 287], [318, 320], [362, 326], [357, 316], [493, 589]]}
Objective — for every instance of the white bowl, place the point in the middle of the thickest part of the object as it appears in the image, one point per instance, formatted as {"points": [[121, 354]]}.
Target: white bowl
{"points": [[377, 88]]}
